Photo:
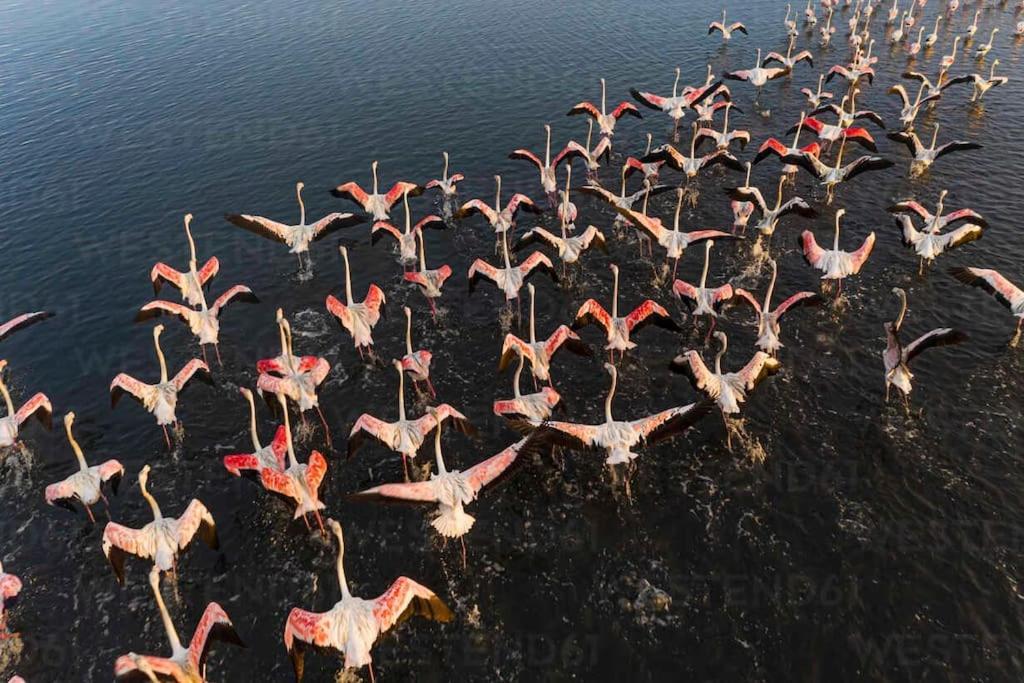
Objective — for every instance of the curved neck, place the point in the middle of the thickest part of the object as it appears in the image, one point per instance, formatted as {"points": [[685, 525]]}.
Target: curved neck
{"points": [[611, 395], [302, 206], [903, 310], [172, 633], [771, 288], [778, 193], [292, 460], [721, 352], [68, 421], [7, 399], [191, 242], [348, 277], [160, 357], [252, 422], [157, 515], [935, 135]]}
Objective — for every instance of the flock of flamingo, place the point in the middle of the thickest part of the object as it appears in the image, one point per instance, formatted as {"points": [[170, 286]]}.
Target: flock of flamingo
{"points": [[290, 381]]}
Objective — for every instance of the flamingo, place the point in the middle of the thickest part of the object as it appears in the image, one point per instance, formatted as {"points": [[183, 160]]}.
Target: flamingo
{"points": [[204, 322], [724, 139], [983, 84], [297, 237], [933, 37], [826, 32], [947, 60], [832, 133], [773, 146], [768, 327], [741, 210], [790, 24], [894, 11], [809, 15], [726, 29], [831, 176], [727, 389], [847, 117], [569, 248], [693, 164], [902, 28], [183, 664], [618, 329], [896, 357], [704, 300], [500, 219], [909, 110], [407, 239], [1007, 293], [835, 263], [650, 170], [757, 76], [1019, 31], [272, 456], [446, 184], [451, 490], [973, 27], [935, 89], [789, 60], [429, 280], [591, 156], [620, 439], [533, 408], [622, 200], [353, 625], [158, 399], [980, 53], [85, 485], [191, 282], [10, 586], [22, 321], [930, 242], [924, 157], [299, 483], [416, 363], [358, 318], [540, 352], [915, 47], [547, 168], [404, 436], [10, 425], [374, 203], [160, 540], [566, 212], [853, 72], [676, 105], [605, 121], [771, 215], [672, 239], [510, 279], [296, 377]]}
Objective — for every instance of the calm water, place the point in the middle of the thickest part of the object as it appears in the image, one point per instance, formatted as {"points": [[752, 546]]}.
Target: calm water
{"points": [[869, 544]]}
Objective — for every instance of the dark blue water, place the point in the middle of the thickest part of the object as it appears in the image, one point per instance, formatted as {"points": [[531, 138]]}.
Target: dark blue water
{"points": [[868, 544]]}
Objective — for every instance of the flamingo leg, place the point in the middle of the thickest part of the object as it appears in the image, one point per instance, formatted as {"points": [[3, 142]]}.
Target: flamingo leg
{"points": [[430, 385], [306, 520], [216, 350], [462, 539], [405, 466], [728, 431], [203, 349], [1016, 336], [887, 386], [675, 268], [373, 679], [319, 521], [361, 356], [167, 437], [327, 430], [433, 309], [92, 518]]}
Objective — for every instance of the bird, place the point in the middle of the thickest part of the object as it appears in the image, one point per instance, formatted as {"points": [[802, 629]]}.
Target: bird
{"points": [[693, 164], [852, 72], [191, 282], [184, 664], [547, 168], [403, 436], [972, 28], [826, 32], [160, 399], [771, 215], [847, 117], [894, 12], [272, 456], [789, 60], [591, 156], [930, 241], [298, 483], [834, 132], [947, 60], [674, 241], [619, 329], [723, 139], [358, 318], [809, 14], [726, 29], [622, 200], [934, 89], [620, 439], [768, 327], [353, 625], [416, 363], [605, 121], [909, 110], [429, 280], [500, 219], [1007, 293], [924, 157], [680, 101], [203, 322], [85, 485], [915, 47], [533, 408], [406, 239], [569, 248], [835, 263], [450, 490], [10, 587], [759, 75], [540, 352], [377, 205], [790, 24], [298, 237], [10, 425], [22, 321], [650, 170], [566, 211], [982, 84], [446, 184], [982, 50], [296, 377], [727, 389], [830, 177], [933, 37], [704, 300], [896, 357], [509, 278], [160, 540], [772, 146]]}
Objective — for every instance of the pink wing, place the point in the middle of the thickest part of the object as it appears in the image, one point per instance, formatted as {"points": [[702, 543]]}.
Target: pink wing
{"points": [[559, 337], [278, 482], [585, 108], [584, 434], [125, 538], [794, 300], [127, 383], [214, 619], [142, 665], [483, 473], [527, 155], [861, 255], [478, 205], [962, 214], [241, 461], [427, 423], [518, 200], [483, 268], [110, 469], [722, 294], [419, 492], [650, 99], [702, 376], [684, 289], [774, 146], [814, 124], [699, 235], [533, 261], [757, 369], [746, 296], [162, 271], [196, 515], [646, 310], [279, 446], [625, 108], [271, 365], [308, 627], [316, 470], [160, 306], [1007, 292], [22, 320], [38, 402], [593, 311], [352, 191], [62, 490], [406, 597], [274, 385], [261, 226], [374, 298], [209, 270], [397, 190], [812, 252], [225, 298], [338, 309], [186, 373]]}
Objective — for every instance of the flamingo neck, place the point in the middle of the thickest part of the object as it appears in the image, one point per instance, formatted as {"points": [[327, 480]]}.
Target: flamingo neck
{"points": [[252, 423], [903, 311], [679, 207], [160, 358], [340, 565], [721, 352], [533, 324], [590, 132], [348, 278], [437, 450], [401, 394], [504, 249], [423, 256], [191, 242], [771, 288], [292, 460], [408, 331], [7, 399], [444, 173], [515, 378], [408, 218], [68, 421], [602, 97], [778, 194], [622, 188], [615, 293], [935, 135], [675, 88], [497, 193], [165, 616], [611, 395], [302, 206], [835, 241], [547, 147], [373, 167], [153, 505], [707, 264]]}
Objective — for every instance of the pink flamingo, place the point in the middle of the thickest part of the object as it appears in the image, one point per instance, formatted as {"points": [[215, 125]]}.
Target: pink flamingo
{"points": [[272, 456], [1007, 293], [540, 353], [533, 408], [416, 363], [704, 300], [10, 425], [358, 318], [407, 239], [773, 146], [374, 203], [510, 279], [191, 282], [446, 183], [22, 321], [85, 485], [835, 263], [547, 168], [605, 120], [768, 327], [429, 280], [353, 625], [500, 219]]}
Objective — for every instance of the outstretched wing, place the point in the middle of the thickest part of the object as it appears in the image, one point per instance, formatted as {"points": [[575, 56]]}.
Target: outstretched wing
{"points": [[213, 626], [651, 312], [406, 598], [585, 108], [747, 297], [944, 336], [478, 269], [38, 405], [125, 383], [191, 368], [414, 492], [239, 292], [261, 226], [331, 222], [477, 206], [366, 425], [994, 283], [760, 366], [197, 518], [911, 206], [648, 99], [798, 299], [157, 308], [592, 312], [119, 541], [22, 321], [671, 422], [626, 108], [692, 365], [352, 192], [527, 155]]}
